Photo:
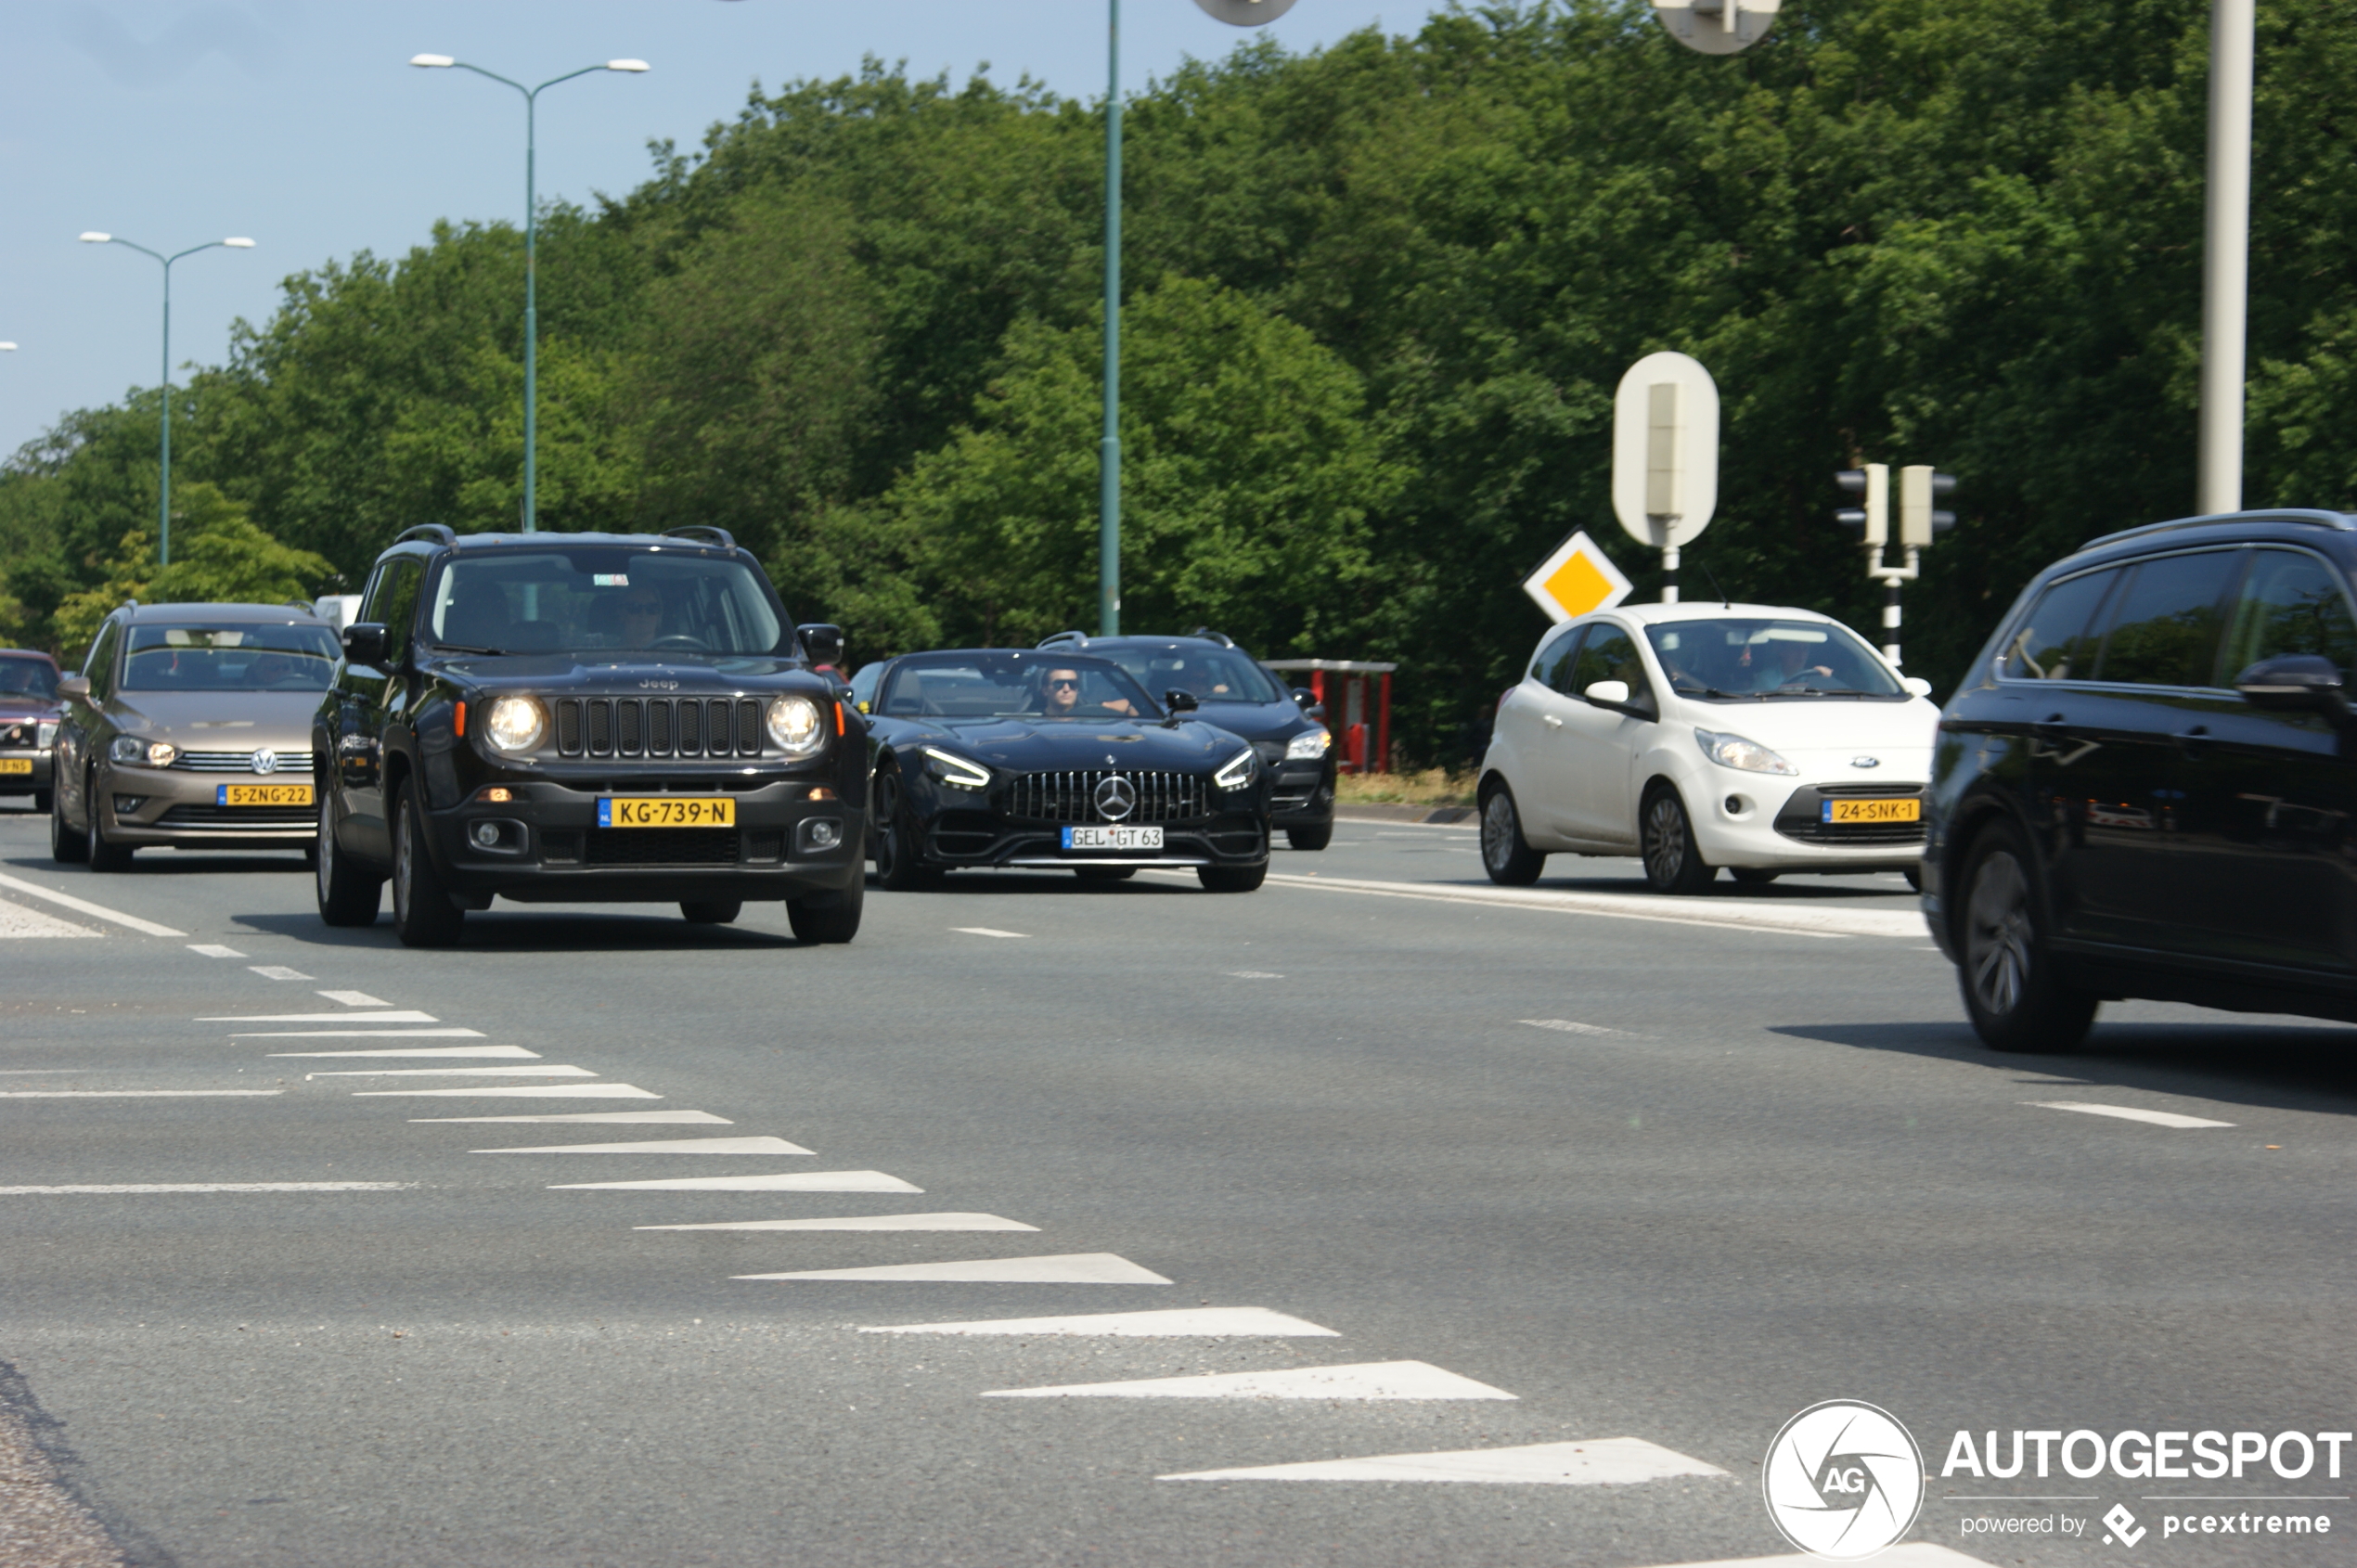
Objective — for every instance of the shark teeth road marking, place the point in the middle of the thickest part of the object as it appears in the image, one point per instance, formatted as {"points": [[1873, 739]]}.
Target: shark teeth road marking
{"points": [[550, 1070], [357, 1035], [758, 1144], [861, 1221], [395, 1017], [129, 1094], [1367, 1380], [525, 1091], [1068, 1269], [633, 1118], [1565, 1026], [17, 922], [214, 950], [1608, 1461], [2128, 1113], [783, 1181], [1185, 1322], [985, 930], [354, 998], [82, 906], [478, 1051], [277, 971], [221, 1186]]}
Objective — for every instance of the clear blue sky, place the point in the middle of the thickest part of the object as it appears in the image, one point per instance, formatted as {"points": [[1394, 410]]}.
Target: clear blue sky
{"points": [[298, 123]]}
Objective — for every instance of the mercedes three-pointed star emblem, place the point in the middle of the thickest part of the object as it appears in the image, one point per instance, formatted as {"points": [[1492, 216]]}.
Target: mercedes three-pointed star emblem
{"points": [[1116, 798]]}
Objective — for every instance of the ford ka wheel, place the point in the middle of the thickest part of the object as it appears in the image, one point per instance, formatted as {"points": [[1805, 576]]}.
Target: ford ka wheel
{"points": [[348, 896], [2015, 999], [1510, 861], [1673, 862]]}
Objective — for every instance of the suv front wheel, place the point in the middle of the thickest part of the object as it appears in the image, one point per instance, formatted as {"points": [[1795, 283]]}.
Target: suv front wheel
{"points": [[348, 895], [2017, 1001], [422, 912]]}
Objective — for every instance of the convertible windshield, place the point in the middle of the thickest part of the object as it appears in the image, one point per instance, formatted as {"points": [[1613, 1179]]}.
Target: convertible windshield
{"points": [[28, 677], [988, 686], [229, 659], [1212, 674], [1763, 658], [609, 596]]}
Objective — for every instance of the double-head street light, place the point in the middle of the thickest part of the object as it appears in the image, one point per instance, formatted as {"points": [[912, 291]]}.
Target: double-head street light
{"points": [[163, 502], [531, 247]]}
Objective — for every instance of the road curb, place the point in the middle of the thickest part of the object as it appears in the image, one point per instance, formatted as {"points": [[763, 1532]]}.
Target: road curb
{"points": [[1377, 812]]}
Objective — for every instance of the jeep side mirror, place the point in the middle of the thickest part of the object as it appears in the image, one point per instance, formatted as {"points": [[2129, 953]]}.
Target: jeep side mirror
{"points": [[821, 643], [363, 643], [74, 689], [2296, 682]]}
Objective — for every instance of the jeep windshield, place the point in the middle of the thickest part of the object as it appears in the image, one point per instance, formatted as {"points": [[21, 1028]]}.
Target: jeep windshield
{"points": [[1761, 661], [618, 599]]}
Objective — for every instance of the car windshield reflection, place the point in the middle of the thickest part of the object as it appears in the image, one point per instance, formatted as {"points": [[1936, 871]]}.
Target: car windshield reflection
{"points": [[258, 658], [1761, 659], [1028, 686]]}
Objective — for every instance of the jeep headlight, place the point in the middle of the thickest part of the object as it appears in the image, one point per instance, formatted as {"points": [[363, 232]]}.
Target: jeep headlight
{"points": [[133, 751], [955, 770], [1239, 771], [46, 735], [1746, 756], [1309, 745], [516, 724], [794, 726]]}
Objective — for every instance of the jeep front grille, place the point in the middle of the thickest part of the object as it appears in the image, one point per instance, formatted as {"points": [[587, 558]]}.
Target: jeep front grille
{"points": [[659, 726]]}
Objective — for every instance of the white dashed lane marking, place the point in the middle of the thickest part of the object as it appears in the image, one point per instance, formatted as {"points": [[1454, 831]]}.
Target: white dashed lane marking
{"points": [[1068, 1269], [1368, 1380], [985, 930], [524, 1091], [1184, 1322], [784, 1181], [213, 950], [460, 1051], [633, 1118], [1726, 914], [861, 1221], [354, 998], [1253, 975], [1565, 1026], [276, 972], [84, 906], [663, 1146], [396, 1016], [129, 1094], [2128, 1113], [356, 1035], [1606, 1461], [221, 1186], [549, 1072]]}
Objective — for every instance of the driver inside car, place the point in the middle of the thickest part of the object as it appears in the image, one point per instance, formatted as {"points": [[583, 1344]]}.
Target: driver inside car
{"points": [[1781, 663], [1060, 697], [641, 617]]}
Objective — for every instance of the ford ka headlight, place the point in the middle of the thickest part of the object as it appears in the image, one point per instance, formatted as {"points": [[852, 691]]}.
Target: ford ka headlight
{"points": [[1239, 771], [1735, 751], [794, 726], [516, 724], [133, 751], [955, 770], [1309, 745]]}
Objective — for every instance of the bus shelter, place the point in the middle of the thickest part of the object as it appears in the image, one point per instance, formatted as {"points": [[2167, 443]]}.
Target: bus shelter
{"points": [[1362, 690]]}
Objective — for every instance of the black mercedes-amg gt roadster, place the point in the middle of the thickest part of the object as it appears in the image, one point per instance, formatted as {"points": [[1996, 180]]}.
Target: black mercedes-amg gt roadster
{"points": [[1047, 759]]}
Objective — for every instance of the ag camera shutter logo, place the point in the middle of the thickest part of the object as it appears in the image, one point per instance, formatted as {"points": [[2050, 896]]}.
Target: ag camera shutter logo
{"points": [[1843, 1480]]}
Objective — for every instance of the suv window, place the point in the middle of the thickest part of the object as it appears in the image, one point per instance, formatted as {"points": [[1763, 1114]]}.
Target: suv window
{"points": [[1609, 654], [393, 603], [99, 667], [2166, 629], [2291, 602], [2053, 644]]}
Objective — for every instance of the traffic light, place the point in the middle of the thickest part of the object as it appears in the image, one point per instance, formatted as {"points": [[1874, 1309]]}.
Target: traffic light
{"points": [[1870, 522], [1918, 487]]}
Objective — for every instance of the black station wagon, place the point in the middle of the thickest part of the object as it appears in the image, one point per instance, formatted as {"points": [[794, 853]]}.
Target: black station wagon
{"points": [[2146, 784], [586, 717]]}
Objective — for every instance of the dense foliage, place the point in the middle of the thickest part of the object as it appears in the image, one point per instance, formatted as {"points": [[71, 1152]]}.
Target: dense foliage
{"points": [[1380, 297]]}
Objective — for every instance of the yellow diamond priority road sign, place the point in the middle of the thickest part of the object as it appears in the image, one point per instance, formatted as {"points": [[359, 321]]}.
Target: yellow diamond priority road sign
{"points": [[1576, 580]]}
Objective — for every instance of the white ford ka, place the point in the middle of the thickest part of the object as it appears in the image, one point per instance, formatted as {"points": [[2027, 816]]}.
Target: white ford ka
{"points": [[1697, 736]]}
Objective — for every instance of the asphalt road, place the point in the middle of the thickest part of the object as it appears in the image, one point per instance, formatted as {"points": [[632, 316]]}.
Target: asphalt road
{"points": [[1594, 1166]]}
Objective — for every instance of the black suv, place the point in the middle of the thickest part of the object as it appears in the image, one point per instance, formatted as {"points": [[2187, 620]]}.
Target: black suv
{"points": [[1233, 692], [2146, 785], [586, 717]]}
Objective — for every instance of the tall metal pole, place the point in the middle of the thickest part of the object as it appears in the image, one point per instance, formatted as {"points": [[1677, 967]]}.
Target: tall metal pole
{"points": [[164, 520], [1109, 449], [531, 320], [2226, 256]]}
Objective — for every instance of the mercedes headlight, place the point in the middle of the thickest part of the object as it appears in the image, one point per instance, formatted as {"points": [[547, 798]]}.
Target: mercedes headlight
{"points": [[1239, 771], [136, 753], [1309, 745], [955, 770], [794, 726], [1746, 756], [516, 724]]}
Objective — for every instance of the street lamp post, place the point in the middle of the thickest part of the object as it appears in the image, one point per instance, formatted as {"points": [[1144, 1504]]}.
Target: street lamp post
{"points": [[531, 255], [163, 502], [2225, 257]]}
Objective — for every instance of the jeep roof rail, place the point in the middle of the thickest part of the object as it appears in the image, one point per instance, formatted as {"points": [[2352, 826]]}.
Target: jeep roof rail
{"points": [[1222, 638], [1077, 639], [704, 531], [2340, 521], [439, 533]]}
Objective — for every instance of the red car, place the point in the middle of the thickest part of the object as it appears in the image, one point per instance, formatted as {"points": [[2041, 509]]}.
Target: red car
{"points": [[28, 722]]}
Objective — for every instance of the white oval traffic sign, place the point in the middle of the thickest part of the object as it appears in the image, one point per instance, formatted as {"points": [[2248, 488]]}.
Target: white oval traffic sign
{"points": [[1665, 450]]}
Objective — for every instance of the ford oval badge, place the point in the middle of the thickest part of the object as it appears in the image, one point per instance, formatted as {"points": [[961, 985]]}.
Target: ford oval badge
{"points": [[1865, 762]]}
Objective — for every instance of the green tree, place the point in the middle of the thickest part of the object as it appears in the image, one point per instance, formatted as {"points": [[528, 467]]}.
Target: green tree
{"points": [[220, 556]]}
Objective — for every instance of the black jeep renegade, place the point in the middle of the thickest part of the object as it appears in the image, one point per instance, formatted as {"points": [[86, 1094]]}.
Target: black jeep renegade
{"points": [[586, 717]]}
